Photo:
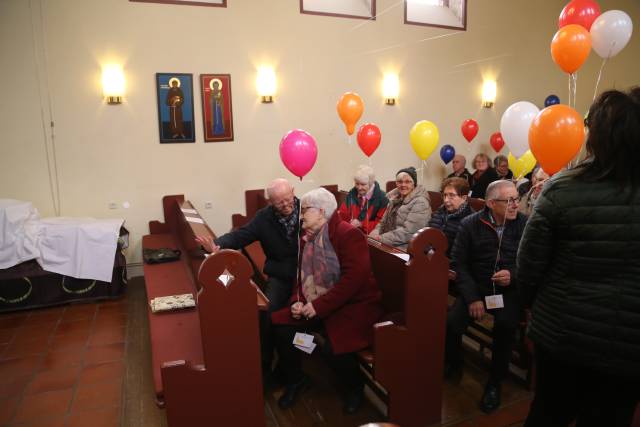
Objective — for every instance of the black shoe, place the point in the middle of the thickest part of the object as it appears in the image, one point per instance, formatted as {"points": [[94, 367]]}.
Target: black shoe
{"points": [[490, 399], [453, 371], [291, 393], [353, 401]]}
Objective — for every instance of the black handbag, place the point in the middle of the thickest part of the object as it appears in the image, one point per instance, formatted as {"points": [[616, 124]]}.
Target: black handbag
{"points": [[160, 255]]}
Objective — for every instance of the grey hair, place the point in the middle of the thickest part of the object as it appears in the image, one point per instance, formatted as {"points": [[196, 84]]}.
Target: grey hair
{"points": [[463, 158], [322, 199], [499, 158], [365, 173], [494, 188]]}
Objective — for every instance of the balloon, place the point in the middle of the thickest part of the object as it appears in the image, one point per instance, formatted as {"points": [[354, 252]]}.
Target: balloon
{"points": [[469, 129], [580, 12], [369, 138], [514, 126], [522, 166], [447, 153], [556, 135], [298, 152], [570, 47], [551, 100], [350, 107], [424, 138], [610, 33], [496, 141]]}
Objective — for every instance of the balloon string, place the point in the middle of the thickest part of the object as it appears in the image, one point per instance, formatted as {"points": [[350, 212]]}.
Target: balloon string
{"points": [[569, 102], [424, 169], [575, 88], [370, 164], [595, 92]]}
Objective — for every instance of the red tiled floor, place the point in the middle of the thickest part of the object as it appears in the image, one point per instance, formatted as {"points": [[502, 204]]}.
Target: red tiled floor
{"points": [[43, 405], [95, 396], [41, 319], [104, 353], [26, 348], [56, 379], [62, 359], [107, 322], [6, 335], [7, 409], [69, 342], [99, 418], [12, 321], [50, 421], [108, 336], [82, 326], [102, 372], [12, 368], [14, 386]]}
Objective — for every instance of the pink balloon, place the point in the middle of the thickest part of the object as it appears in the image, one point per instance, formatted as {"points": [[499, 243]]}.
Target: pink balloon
{"points": [[298, 152]]}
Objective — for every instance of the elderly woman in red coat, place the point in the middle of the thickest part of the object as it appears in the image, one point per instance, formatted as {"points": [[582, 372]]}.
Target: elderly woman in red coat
{"points": [[336, 295]]}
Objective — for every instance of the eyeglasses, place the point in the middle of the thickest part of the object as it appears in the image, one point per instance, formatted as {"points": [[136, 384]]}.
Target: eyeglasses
{"points": [[406, 181], [509, 201], [283, 202], [449, 195], [305, 208]]}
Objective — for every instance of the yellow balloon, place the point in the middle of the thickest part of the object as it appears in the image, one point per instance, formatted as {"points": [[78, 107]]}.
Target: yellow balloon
{"points": [[522, 166], [424, 137]]}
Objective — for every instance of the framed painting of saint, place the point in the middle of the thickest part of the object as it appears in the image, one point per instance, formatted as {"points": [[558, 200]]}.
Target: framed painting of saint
{"points": [[217, 116], [175, 107], [437, 13]]}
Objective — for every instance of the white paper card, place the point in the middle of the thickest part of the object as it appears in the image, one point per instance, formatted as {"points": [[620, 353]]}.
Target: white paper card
{"points": [[308, 350], [191, 211], [493, 301], [402, 256], [304, 340], [194, 219]]}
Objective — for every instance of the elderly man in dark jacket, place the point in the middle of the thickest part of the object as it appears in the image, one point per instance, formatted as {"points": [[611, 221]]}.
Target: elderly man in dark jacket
{"points": [[276, 227], [484, 254]]}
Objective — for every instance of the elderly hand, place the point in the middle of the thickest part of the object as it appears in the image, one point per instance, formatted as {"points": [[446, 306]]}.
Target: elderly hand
{"points": [[356, 223], [502, 277], [452, 275], [207, 243], [308, 311], [476, 310], [296, 310], [375, 235]]}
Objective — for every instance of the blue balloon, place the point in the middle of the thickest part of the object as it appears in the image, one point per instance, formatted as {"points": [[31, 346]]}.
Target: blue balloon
{"points": [[551, 100], [447, 153]]}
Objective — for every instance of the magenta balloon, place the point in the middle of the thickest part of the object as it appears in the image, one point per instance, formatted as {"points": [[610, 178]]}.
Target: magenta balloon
{"points": [[298, 152]]}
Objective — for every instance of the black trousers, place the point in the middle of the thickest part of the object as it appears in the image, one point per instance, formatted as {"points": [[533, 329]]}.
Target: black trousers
{"points": [[505, 324], [278, 291], [344, 365], [566, 392]]}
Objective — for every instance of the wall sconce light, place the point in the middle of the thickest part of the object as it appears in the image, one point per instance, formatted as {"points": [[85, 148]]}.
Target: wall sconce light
{"points": [[488, 93], [390, 88], [266, 84], [113, 84]]}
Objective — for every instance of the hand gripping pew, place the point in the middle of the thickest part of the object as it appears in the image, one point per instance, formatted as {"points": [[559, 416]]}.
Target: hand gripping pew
{"points": [[407, 357]]}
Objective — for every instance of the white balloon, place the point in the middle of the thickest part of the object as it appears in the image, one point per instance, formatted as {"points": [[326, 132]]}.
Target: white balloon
{"points": [[610, 33], [515, 124]]}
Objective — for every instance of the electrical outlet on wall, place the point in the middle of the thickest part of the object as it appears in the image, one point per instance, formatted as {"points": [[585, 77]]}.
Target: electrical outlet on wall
{"points": [[113, 205], [208, 205]]}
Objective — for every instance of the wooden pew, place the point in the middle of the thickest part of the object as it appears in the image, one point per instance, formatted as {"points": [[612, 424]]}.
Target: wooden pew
{"points": [[177, 336], [407, 358]]}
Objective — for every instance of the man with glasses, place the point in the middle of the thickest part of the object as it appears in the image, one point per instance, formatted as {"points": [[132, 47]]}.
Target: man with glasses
{"points": [[454, 208], [484, 255], [276, 227]]}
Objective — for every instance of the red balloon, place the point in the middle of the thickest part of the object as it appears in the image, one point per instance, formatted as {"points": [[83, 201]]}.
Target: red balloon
{"points": [[496, 141], [369, 137], [580, 12], [469, 129]]}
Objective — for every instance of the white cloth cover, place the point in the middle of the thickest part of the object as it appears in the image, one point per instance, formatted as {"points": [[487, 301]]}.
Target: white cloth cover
{"points": [[79, 247], [18, 232]]}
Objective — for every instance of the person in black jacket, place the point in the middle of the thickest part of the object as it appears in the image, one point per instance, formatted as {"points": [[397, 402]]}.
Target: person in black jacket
{"points": [[579, 265], [455, 207], [484, 255], [277, 228], [483, 176], [459, 164], [501, 164]]}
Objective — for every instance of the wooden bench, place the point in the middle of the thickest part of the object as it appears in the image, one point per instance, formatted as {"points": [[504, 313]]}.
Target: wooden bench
{"points": [[405, 364], [178, 337]]}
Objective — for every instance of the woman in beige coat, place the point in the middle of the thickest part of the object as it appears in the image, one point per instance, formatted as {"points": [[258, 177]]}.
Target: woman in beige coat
{"points": [[408, 211]]}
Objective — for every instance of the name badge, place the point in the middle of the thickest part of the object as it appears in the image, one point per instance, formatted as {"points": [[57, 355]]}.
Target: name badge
{"points": [[308, 350], [303, 340], [493, 301]]}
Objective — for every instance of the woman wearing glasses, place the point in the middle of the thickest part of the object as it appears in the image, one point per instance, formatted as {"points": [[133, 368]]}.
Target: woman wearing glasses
{"points": [[455, 207], [579, 267], [408, 210]]}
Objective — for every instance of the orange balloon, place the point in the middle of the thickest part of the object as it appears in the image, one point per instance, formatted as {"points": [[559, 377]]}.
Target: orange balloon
{"points": [[350, 107], [570, 47], [555, 136]]}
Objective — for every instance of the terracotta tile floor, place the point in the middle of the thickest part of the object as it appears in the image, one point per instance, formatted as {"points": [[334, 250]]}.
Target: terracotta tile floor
{"points": [[63, 366]]}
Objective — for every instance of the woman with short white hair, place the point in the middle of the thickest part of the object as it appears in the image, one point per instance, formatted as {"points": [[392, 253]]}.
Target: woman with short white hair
{"points": [[366, 202], [335, 295]]}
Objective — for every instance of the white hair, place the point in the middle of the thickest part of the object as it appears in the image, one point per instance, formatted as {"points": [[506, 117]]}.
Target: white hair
{"points": [[278, 185], [364, 173], [493, 190], [322, 199]]}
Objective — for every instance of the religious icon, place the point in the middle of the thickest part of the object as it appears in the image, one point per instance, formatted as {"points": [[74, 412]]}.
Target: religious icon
{"points": [[216, 107], [175, 107]]}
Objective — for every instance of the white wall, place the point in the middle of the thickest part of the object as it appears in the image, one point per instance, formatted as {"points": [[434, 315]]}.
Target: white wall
{"points": [[53, 51]]}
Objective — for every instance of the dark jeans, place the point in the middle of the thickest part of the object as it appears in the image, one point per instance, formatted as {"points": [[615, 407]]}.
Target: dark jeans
{"points": [[566, 392], [278, 291], [505, 324], [344, 365]]}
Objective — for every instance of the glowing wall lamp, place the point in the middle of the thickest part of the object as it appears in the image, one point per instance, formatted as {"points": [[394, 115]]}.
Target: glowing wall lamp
{"points": [[390, 88], [266, 83], [113, 84], [488, 93]]}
